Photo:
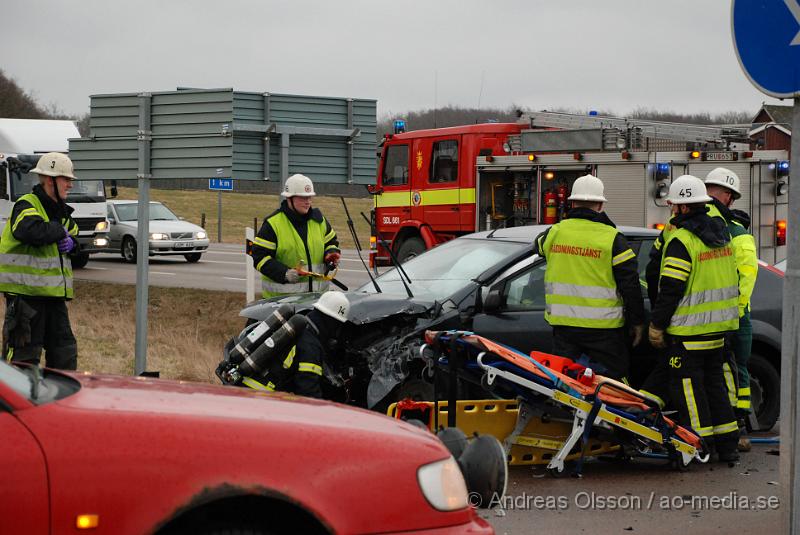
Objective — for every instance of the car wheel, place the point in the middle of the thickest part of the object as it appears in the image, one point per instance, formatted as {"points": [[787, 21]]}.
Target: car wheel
{"points": [[193, 257], [765, 391], [129, 249], [409, 249], [79, 260]]}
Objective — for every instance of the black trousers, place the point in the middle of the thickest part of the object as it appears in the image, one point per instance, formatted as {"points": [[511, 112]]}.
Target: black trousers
{"points": [[607, 349], [49, 330], [697, 388]]}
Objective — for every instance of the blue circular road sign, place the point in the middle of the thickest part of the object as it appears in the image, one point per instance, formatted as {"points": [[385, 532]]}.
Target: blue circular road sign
{"points": [[766, 36]]}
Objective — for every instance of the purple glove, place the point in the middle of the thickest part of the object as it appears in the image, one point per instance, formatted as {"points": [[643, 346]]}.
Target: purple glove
{"points": [[65, 245]]}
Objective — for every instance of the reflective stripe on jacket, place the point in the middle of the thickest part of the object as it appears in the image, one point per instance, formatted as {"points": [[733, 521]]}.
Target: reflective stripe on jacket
{"points": [[291, 251], [34, 270], [710, 299], [580, 290]]}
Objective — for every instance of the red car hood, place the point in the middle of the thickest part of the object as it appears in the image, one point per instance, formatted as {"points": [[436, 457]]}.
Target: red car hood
{"points": [[119, 394]]}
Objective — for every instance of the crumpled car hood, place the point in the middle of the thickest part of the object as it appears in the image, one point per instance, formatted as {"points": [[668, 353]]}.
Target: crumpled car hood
{"points": [[364, 307]]}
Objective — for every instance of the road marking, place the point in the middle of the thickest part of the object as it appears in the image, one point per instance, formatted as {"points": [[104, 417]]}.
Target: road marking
{"points": [[161, 273], [225, 252], [234, 279], [97, 268]]}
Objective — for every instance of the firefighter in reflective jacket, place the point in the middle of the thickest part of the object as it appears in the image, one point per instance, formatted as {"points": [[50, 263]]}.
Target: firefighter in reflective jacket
{"points": [[723, 187], [294, 237], [697, 304], [301, 370], [36, 272], [592, 288]]}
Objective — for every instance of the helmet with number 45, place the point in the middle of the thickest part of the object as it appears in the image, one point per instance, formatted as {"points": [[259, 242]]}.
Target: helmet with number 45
{"points": [[688, 189]]}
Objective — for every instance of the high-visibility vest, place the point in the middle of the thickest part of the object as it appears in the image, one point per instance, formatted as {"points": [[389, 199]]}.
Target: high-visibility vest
{"points": [[710, 299], [744, 249], [34, 270], [291, 251], [580, 290]]}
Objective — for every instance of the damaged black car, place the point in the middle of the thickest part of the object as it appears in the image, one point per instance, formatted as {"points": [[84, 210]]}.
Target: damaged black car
{"points": [[492, 284]]}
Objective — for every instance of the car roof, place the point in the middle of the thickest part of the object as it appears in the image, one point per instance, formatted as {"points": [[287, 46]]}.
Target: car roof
{"points": [[527, 234]]}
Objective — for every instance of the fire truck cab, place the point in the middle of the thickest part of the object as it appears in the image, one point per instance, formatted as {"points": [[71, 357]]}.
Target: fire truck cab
{"points": [[425, 191]]}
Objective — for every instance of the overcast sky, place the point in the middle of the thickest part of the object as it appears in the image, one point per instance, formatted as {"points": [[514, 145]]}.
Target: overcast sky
{"points": [[412, 54]]}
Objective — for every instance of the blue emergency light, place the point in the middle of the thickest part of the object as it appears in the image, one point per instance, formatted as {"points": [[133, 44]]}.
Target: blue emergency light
{"points": [[399, 126], [663, 168], [783, 165]]}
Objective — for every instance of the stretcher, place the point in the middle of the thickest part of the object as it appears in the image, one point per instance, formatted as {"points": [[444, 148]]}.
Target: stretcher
{"points": [[597, 405]]}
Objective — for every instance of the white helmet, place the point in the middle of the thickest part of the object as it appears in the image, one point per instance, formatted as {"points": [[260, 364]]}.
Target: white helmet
{"points": [[54, 164], [298, 185], [688, 189], [587, 188], [334, 304], [725, 178]]}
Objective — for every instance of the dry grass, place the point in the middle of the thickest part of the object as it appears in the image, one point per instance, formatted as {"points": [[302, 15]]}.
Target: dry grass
{"points": [[239, 209], [187, 329]]}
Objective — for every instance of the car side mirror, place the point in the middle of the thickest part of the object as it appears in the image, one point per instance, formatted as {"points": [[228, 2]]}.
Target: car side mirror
{"points": [[493, 302], [111, 220]]}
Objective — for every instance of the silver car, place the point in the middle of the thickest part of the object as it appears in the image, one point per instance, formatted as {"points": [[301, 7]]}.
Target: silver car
{"points": [[169, 234]]}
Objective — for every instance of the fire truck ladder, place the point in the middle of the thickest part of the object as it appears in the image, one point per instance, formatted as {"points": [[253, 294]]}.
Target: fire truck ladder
{"points": [[638, 127]]}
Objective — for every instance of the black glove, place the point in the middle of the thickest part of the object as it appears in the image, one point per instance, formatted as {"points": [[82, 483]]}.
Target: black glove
{"points": [[17, 325]]}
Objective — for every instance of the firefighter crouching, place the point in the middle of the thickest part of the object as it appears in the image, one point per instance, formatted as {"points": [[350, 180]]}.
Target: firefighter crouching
{"points": [[36, 272], [592, 288], [292, 359], [723, 188], [293, 239], [696, 305]]}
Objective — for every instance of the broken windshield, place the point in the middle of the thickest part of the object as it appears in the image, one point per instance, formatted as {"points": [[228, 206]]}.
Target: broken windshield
{"points": [[445, 269]]}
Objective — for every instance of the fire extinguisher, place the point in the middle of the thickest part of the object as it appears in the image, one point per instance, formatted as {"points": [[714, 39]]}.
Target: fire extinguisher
{"points": [[562, 192], [550, 209]]}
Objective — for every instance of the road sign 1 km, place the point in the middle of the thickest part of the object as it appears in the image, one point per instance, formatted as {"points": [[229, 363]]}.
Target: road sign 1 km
{"points": [[766, 36], [220, 184]]}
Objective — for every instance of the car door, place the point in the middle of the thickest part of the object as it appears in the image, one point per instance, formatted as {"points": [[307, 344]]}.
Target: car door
{"points": [[24, 501], [114, 232], [519, 322]]}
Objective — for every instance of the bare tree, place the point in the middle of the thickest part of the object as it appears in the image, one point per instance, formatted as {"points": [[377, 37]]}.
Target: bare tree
{"points": [[17, 103]]}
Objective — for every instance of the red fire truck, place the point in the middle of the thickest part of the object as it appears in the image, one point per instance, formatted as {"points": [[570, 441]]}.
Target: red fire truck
{"points": [[434, 185]]}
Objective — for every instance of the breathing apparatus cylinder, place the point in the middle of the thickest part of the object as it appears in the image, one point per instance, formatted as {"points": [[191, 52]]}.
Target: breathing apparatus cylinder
{"points": [[257, 363], [259, 333]]}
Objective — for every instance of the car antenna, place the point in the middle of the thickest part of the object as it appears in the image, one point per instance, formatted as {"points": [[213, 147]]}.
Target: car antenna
{"points": [[358, 245], [395, 263]]}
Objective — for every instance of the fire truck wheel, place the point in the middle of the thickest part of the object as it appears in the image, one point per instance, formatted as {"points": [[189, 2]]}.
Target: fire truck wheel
{"points": [[410, 248]]}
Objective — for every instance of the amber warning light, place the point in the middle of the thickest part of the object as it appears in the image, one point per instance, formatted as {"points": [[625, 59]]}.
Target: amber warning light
{"points": [[780, 232]]}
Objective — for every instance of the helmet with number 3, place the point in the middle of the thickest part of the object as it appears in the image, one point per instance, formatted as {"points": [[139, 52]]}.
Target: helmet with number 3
{"points": [[688, 189], [725, 178]]}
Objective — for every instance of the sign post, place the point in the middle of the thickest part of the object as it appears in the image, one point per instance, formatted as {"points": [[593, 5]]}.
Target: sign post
{"points": [[219, 185], [766, 37]]}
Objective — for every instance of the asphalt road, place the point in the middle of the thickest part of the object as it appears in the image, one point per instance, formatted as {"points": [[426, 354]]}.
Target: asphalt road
{"points": [[645, 497], [222, 267]]}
